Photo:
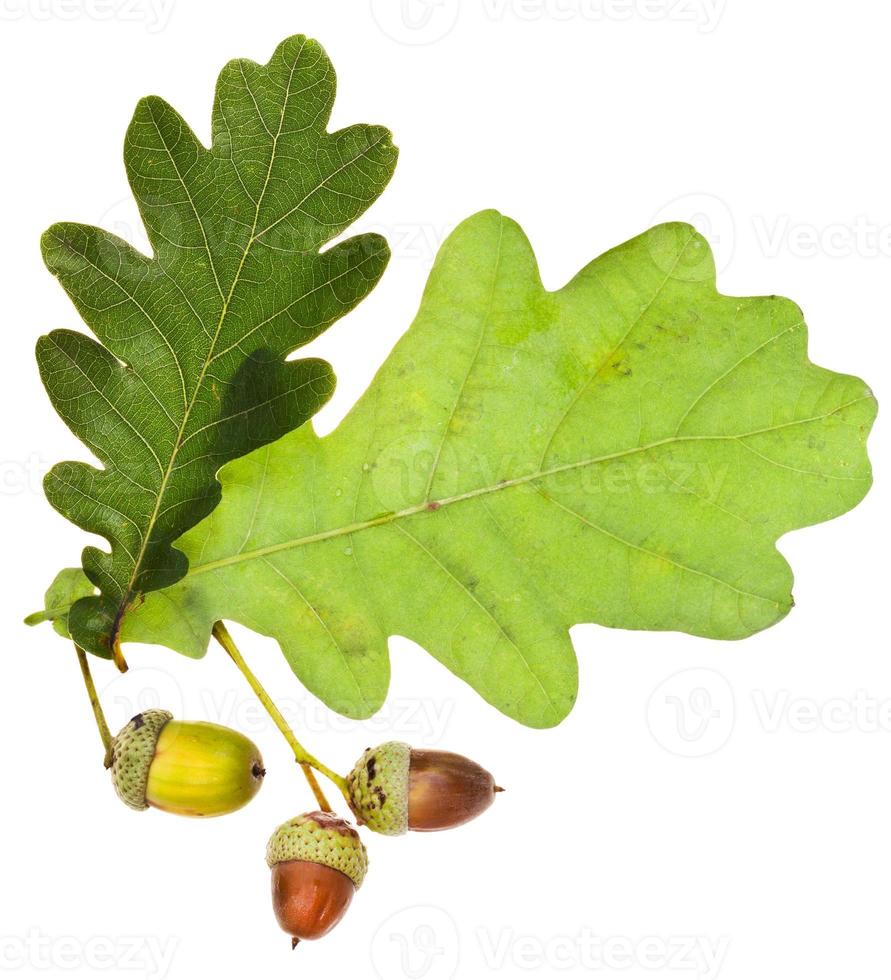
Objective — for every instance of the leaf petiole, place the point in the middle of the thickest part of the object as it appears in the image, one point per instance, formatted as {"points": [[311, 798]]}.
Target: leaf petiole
{"points": [[36, 618], [306, 761]]}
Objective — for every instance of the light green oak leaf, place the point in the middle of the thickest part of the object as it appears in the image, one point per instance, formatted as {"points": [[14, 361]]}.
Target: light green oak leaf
{"points": [[626, 451], [67, 587]]}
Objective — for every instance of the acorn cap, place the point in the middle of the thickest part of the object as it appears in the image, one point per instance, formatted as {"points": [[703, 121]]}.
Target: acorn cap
{"points": [[322, 838], [379, 788], [132, 753]]}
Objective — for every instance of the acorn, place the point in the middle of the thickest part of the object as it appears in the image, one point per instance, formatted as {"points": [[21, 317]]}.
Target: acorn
{"points": [[395, 788], [191, 768], [318, 863]]}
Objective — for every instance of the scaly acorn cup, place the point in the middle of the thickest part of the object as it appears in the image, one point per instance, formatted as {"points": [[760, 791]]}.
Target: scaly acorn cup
{"points": [[395, 788], [318, 863], [191, 768]]}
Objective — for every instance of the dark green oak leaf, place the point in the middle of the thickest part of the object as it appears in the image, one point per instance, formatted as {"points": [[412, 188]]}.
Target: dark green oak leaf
{"points": [[626, 451], [189, 370]]}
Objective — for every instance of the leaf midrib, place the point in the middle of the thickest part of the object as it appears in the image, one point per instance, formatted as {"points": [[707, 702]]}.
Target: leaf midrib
{"points": [[179, 441], [435, 505], [211, 355]]}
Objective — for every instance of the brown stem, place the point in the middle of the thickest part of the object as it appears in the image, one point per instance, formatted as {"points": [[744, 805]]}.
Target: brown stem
{"points": [[317, 790], [118, 656]]}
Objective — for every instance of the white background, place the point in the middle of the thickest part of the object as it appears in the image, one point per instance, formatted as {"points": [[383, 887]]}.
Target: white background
{"points": [[757, 845]]}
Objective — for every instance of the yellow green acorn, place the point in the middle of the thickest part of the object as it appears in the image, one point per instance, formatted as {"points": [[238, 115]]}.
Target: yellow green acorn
{"points": [[190, 768], [395, 788], [318, 862]]}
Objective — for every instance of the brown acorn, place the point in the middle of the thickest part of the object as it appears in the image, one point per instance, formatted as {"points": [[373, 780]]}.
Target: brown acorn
{"points": [[395, 788], [318, 863]]}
